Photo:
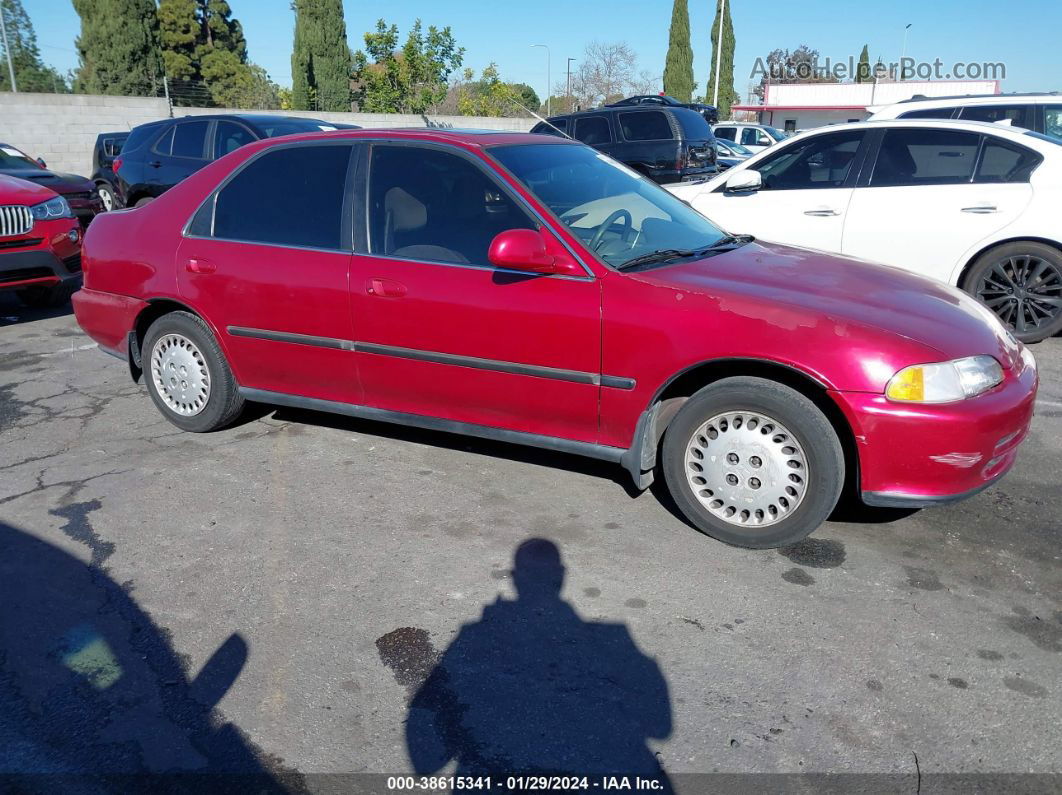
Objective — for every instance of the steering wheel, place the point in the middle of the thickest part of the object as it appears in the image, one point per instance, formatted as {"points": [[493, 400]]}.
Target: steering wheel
{"points": [[628, 227]]}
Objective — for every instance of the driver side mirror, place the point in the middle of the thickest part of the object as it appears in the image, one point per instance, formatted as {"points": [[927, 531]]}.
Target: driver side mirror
{"points": [[747, 181], [41, 163], [521, 250]]}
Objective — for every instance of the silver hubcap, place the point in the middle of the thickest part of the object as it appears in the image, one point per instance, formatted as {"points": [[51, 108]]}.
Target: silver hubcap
{"points": [[107, 198], [180, 374], [746, 468]]}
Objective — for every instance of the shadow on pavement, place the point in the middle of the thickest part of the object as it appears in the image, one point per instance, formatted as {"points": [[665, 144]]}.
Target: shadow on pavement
{"points": [[531, 688], [13, 311], [93, 697]]}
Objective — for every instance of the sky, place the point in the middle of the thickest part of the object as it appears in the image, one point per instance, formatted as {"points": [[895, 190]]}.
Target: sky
{"points": [[1023, 35]]}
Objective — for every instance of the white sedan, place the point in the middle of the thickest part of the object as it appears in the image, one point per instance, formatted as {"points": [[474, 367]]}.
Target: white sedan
{"points": [[968, 203]]}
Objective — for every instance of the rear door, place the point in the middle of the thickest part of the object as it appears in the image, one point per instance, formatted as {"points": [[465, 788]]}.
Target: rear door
{"points": [[268, 269], [933, 195], [595, 131], [180, 152]]}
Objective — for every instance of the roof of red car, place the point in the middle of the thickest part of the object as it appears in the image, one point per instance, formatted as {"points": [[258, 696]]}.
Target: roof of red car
{"points": [[473, 138]]}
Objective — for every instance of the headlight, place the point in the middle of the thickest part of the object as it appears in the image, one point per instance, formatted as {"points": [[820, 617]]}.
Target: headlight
{"points": [[52, 209], [945, 382]]}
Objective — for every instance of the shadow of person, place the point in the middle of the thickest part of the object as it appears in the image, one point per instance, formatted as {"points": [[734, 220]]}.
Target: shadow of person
{"points": [[92, 696], [531, 688]]}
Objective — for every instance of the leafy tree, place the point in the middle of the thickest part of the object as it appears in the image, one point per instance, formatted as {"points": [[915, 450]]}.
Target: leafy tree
{"points": [[863, 73], [558, 104], [410, 80], [179, 29], [525, 95], [796, 66], [491, 96], [31, 74], [320, 61], [118, 47], [728, 95], [678, 68]]}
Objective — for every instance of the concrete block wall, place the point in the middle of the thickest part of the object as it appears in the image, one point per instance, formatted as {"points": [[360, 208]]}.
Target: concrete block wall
{"points": [[62, 128]]}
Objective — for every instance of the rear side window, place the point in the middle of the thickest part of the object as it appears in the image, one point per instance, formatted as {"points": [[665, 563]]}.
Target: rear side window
{"points": [[1017, 115], [1005, 162], [189, 139], [138, 136], [308, 212], [649, 125], [593, 130], [925, 157], [928, 113]]}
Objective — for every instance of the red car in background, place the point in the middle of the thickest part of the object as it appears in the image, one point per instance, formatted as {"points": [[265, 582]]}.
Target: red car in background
{"points": [[40, 244], [80, 192], [533, 290]]}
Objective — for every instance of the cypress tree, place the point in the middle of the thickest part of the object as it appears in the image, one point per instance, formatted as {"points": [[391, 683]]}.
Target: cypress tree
{"points": [[678, 69], [30, 72], [863, 74], [118, 47], [321, 59], [727, 95]]}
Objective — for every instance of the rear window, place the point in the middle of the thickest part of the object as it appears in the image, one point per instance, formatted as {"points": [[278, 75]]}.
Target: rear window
{"points": [[649, 125], [694, 126]]}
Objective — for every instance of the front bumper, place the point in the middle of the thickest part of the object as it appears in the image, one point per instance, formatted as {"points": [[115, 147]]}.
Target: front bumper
{"points": [[916, 455], [38, 267]]}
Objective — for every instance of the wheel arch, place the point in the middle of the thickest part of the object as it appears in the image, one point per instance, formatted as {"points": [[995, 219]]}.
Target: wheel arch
{"points": [[156, 308], [968, 265]]}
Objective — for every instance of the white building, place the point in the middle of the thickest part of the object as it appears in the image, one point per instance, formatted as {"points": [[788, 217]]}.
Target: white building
{"points": [[799, 106]]}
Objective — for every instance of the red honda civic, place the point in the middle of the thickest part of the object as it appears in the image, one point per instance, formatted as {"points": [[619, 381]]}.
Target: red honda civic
{"points": [[533, 290]]}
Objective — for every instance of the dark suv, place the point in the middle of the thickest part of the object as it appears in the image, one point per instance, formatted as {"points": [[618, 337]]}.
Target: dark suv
{"points": [[665, 144], [108, 147], [711, 115], [158, 155]]}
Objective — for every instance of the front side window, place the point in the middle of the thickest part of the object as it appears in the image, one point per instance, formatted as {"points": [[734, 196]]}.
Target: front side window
{"points": [[648, 125], [427, 204], [1002, 161], [821, 161], [1017, 115], [229, 136], [189, 139], [306, 212], [919, 156], [615, 212], [753, 137], [592, 130], [1053, 121]]}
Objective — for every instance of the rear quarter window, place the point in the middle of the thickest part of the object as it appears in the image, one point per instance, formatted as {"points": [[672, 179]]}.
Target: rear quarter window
{"points": [[646, 125], [138, 136]]}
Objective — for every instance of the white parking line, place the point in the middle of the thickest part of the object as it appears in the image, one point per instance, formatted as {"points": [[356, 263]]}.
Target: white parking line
{"points": [[1052, 403], [86, 347]]}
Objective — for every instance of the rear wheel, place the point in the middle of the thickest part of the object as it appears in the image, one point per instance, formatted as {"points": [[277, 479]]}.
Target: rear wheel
{"points": [[44, 297], [1022, 284], [144, 200], [107, 196], [187, 375], [753, 463]]}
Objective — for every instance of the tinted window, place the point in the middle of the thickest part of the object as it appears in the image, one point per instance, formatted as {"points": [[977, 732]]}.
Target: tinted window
{"points": [[229, 136], [274, 129], [556, 127], [1017, 115], [650, 125], [929, 113], [430, 205], [1004, 162], [140, 135], [307, 212], [189, 139], [1053, 121], [592, 130], [925, 157], [751, 136], [726, 132], [165, 143], [822, 161]]}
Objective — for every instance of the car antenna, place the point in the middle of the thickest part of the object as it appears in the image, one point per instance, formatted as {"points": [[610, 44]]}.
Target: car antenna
{"points": [[512, 99]]}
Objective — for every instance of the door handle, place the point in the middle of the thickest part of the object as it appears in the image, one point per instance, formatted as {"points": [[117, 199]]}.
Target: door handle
{"points": [[199, 265], [385, 288], [981, 209], [822, 212], [155, 164]]}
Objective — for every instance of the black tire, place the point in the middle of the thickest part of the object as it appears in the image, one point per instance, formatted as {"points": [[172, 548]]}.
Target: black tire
{"points": [[110, 201], [144, 200], [1030, 271], [809, 427], [223, 402], [44, 297]]}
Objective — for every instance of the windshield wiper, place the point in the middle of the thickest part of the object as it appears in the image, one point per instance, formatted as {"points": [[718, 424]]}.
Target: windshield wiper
{"points": [[727, 243]]}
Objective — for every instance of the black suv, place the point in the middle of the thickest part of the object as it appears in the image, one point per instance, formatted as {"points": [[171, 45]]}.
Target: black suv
{"points": [[663, 143], [108, 147], [158, 155], [711, 115]]}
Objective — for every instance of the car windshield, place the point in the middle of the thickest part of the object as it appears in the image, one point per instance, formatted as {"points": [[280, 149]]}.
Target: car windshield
{"points": [[615, 211], [293, 126], [738, 149], [10, 157], [776, 134]]}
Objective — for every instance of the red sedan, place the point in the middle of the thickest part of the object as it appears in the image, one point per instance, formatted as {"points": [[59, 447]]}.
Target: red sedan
{"points": [[530, 289]]}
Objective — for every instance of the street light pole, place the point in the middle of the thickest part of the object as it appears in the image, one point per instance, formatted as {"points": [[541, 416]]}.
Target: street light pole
{"points": [[903, 52], [569, 108], [719, 52], [549, 89], [7, 49]]}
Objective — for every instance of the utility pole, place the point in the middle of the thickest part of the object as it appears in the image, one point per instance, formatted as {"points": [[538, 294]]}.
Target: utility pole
{"points": [[719, 52], [7, 49], [549, 88], [569, 110], [903, 52]]}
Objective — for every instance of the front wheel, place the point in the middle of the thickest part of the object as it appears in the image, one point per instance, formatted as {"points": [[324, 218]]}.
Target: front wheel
{"points": [[187, 375], [753, 463], [1022, 284]]}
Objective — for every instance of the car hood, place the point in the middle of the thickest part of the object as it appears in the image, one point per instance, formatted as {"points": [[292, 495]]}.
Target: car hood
{"points": [[60, 183], [20, 191], [792, 287]]}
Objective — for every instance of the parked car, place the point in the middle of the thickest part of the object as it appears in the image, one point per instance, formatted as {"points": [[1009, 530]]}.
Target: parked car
{"points": [[1040, 113], [40, 243], [158, 155], [526, 288], [728, 153], [79, 192], [755, 137], [711, 115], [664, 144], [966, 203], [108, 147]]}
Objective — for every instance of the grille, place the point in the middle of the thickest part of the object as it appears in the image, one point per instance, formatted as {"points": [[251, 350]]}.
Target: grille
{"points": [[25, 242], [73, 264], [22, 274], [78, 195], [15, 220]]}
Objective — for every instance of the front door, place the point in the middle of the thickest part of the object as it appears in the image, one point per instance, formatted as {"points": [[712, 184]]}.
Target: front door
{"points": [[440, 331]]}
